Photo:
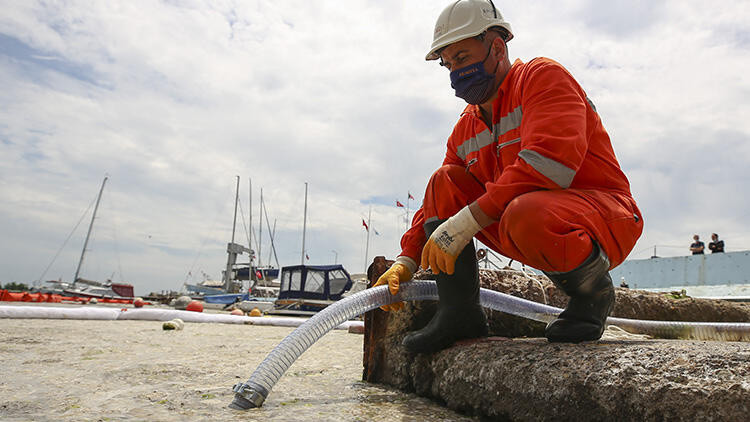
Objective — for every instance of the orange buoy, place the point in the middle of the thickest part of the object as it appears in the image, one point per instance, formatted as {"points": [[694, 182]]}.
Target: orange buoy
{"points": [[237, 312], [256, 312], [195, 306], [138, 303]]}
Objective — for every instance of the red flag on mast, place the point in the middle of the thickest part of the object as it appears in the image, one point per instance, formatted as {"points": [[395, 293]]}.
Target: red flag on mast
{"points": [[365, 224], [410, 197], [398, 204]]}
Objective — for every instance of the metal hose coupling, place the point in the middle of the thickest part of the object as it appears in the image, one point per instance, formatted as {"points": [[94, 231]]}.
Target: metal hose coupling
{"points": [[248, 395]]}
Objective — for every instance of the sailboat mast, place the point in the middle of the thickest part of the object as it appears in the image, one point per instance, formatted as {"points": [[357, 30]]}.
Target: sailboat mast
{"points": [[88, 234], [304, 227], [260, 227], [272, 234], [231, 256], [250, 223], [236, 200]]}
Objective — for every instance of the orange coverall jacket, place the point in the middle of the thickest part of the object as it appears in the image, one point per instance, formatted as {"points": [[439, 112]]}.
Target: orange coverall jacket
{"points": [[546, 136]]}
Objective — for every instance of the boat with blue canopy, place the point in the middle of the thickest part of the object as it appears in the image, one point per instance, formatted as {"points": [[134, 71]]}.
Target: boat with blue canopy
{"points": [[307, 289]]}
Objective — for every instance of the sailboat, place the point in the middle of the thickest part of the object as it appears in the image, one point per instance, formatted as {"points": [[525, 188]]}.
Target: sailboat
{"points": [[266, 276], [93, 289], [260, 288]]}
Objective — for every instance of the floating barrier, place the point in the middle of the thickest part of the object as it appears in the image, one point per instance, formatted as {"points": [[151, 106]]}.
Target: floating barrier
{"points": [[8, 296], [101, 313]]}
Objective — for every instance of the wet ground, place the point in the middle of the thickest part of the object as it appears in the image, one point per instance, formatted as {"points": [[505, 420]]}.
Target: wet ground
{"points": [[72, 370]]}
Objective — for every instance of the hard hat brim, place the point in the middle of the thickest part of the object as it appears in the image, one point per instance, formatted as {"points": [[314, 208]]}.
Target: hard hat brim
{"points": [[445, 41]]}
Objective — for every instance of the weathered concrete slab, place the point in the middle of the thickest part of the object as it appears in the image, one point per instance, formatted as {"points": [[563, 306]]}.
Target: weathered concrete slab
{"points": [[530, 379]]}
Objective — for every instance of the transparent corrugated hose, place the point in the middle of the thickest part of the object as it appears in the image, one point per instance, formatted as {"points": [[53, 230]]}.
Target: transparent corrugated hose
{"points": [[254, 391]]}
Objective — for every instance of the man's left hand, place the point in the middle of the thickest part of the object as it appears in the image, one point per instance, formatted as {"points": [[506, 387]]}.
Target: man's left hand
{"points": [[448, 240]]}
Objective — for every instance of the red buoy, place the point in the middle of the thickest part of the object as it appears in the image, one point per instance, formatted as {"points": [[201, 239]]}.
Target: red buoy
{"points": [[138, 303], [195, 306]]}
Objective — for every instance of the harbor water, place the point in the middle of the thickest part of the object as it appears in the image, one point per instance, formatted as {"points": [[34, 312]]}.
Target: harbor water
{"points": [[72, 370]]}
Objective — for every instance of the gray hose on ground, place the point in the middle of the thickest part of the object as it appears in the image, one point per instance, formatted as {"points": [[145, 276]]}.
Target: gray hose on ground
{"points": [[254, 391]]}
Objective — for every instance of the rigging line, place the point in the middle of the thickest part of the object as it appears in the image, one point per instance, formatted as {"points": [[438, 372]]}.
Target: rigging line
{"points": [[242, 215], [257, 236], [655, 246], [219, 210], [273, 250], [66, 240], [643, 250], [273, 234], [247, 230], [111, 205], [244, 225]]}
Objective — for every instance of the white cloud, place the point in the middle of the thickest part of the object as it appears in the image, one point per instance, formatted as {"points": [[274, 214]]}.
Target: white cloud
{"points": [[173, 99]]}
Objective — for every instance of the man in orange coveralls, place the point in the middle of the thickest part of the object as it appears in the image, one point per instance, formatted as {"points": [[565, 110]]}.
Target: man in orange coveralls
{"points": [[530, 171]]}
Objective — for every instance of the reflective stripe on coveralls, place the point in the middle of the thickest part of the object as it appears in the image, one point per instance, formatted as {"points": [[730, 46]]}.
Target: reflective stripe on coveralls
{"points": [[509, 122]]}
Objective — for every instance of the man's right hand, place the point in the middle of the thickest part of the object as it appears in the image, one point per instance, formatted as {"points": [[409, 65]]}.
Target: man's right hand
{"points": [[401, 271]]}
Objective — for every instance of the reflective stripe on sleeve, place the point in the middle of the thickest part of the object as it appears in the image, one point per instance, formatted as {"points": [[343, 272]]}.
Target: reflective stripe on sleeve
{"points": [[553, 170]]}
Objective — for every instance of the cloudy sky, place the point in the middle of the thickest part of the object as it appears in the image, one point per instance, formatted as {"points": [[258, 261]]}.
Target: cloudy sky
{"points": [[174, 99]]}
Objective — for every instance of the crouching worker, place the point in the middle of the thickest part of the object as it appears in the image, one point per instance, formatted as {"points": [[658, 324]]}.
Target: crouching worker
{"points": [[529, 171]]}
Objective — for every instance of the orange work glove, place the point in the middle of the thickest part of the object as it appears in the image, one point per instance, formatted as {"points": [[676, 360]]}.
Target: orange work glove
{"points": [[401, 271], [448, 240]]}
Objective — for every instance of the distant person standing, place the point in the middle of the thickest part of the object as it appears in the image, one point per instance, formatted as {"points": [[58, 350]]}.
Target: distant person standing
{"points": [[716, 245], [697, 246]]}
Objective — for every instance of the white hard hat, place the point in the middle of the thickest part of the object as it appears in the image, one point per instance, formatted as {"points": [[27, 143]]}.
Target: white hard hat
{"points": [[465, 19]]}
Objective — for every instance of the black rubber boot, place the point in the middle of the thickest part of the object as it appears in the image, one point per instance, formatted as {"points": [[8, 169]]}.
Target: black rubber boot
{"points": [[592, 298], [459, 315]]}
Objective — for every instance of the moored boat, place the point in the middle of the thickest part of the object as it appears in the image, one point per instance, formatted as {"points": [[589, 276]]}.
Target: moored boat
{"points": [[108, 290], [307, 289]]}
